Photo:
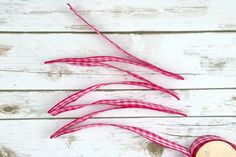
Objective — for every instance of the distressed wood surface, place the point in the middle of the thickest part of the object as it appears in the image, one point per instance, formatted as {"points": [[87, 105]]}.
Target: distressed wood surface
{"points": [[35, 104], [24, 138], [196, 39], [112, 16], [206, 60]]}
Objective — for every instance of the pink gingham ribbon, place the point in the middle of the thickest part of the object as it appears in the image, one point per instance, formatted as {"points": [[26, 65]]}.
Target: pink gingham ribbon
{"points": [[116, 104], [122, 106], [73, 126], [144, 63], [77, 95], [101, 61], [129, 103], [196, 145], [200, 141], [144, 133], [95, 62]]}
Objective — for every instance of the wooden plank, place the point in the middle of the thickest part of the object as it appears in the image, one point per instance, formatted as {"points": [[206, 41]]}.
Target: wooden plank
{"points": [[193, 102], [107, 15], [206, 60], [31, 137]]}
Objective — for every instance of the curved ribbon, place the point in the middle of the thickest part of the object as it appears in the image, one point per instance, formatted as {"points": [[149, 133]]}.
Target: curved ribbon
{"points": [[96, 59], [148, 65], [84, 63], [122, 102], [200, 141], [196, 145], [146, 134], [79, 94], [87, 116]]}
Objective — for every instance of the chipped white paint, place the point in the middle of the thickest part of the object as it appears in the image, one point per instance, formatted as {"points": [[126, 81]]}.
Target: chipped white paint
{"points": [[31, 137], [206, 60], [28, 88], [35, 104], [122, 15]]}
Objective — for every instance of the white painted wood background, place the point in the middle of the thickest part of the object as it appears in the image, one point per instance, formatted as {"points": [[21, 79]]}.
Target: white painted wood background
{"points": [[194, 38]]}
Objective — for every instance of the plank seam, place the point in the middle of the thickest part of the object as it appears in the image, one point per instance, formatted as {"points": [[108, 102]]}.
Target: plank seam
{"points": [[118, 32], [142, 117]]}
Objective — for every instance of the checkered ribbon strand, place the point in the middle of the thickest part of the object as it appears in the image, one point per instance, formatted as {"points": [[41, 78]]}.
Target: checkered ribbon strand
{"points": [[114, 104]]}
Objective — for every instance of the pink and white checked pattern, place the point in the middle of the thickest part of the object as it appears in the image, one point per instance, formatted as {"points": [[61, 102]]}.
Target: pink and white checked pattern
{"points": [[130, 103], [146, 134], [111, 66], [74, 61], [87, 116], [144, 63], [79, 94], [73, 126], [200, 141], [118, 104], [98, 59]]}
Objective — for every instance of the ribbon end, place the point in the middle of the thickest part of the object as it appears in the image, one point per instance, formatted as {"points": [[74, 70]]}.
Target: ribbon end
{"points": [[50, 61], [67, 3], [50, 111], [52, 136], [181, 77]]}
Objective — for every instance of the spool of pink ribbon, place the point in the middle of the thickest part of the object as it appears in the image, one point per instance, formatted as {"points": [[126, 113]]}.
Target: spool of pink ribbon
{"points": [[212, 146], [203, 146]]}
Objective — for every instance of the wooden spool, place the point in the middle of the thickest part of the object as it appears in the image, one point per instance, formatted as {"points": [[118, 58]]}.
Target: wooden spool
{"points": [[216, 149]]}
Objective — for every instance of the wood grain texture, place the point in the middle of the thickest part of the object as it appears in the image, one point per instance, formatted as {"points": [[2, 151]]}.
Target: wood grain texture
{"points": [[35, 104], [206, 60], [170, 34], [31, 137], [112, 16]]}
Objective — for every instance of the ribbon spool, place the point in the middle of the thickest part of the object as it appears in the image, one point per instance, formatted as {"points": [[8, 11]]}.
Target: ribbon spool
{"points": [[203, 146], [212, 146]]}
